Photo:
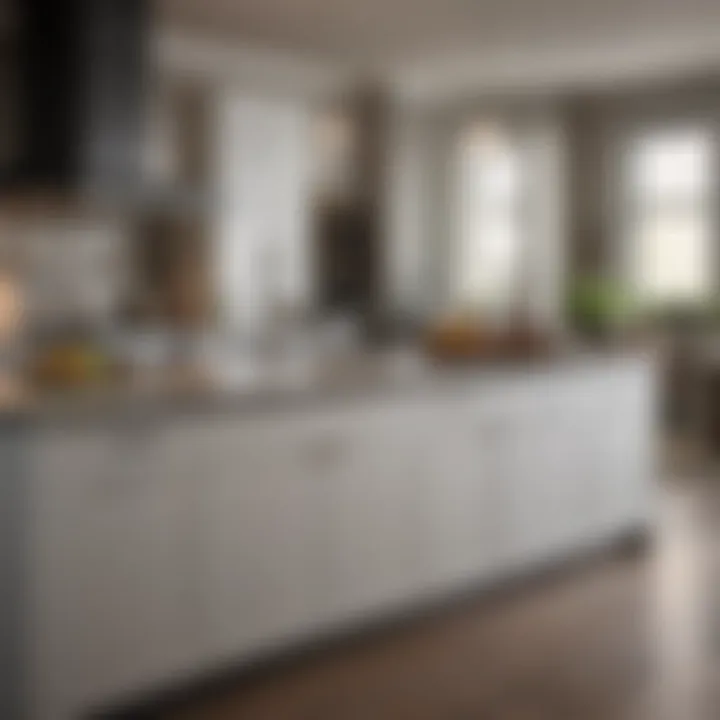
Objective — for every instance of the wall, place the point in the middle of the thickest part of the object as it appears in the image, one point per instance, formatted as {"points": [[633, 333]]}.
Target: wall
{"points": [[600, 126], [261, 70], [258, 106], [189, 78], [578, 144], [408, 194], [73, 265], [418, 214]]}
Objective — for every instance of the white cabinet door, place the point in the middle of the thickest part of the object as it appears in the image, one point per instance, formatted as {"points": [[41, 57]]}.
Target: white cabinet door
{"points": [[110, 605], [553, 471], [522, 489], [510, 488], [552, 485], [623, 453], [466, 517], [65, 652], [265, 550], [380, 511], [310, 520], [523, 443], [168, 534]]}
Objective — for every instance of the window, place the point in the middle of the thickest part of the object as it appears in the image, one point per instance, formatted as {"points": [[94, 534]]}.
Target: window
{"points": [[488, 253], [670, 222]]}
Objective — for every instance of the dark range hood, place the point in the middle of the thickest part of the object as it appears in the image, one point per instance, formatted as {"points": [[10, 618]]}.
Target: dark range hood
{"points": [[77, 87]]}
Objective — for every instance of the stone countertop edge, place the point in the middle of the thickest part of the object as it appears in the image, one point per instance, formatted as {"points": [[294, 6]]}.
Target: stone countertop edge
{"points": [[127, 408]]}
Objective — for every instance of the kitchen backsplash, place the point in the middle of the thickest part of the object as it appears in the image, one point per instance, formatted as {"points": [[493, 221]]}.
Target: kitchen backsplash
{"points": [[73, 270]]}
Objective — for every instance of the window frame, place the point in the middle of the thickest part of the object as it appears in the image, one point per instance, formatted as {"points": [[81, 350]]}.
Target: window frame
{"points": [[628, 207], [517, 208]]}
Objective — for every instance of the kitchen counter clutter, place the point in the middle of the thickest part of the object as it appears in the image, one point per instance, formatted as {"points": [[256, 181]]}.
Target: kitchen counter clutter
{"points": [[147, 553], [276, 384]]}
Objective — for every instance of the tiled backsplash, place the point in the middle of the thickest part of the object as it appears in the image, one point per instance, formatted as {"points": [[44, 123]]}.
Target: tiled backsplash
{"points": [[73, 270]]}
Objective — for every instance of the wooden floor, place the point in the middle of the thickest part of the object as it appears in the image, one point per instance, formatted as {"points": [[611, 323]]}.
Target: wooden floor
{"points": [[625, 638]]}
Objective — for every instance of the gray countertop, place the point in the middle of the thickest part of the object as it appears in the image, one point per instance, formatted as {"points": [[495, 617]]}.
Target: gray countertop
{"points": [[279, 386]]}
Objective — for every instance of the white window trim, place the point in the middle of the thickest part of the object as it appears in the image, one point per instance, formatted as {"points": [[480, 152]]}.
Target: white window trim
{"points": [[621, 208]]}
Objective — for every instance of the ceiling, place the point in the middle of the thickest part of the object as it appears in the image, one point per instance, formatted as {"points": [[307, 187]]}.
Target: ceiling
{"points": [[415, 36]]}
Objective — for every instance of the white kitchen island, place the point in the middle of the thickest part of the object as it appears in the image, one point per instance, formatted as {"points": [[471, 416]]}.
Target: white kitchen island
{"points": [[161, 545]]}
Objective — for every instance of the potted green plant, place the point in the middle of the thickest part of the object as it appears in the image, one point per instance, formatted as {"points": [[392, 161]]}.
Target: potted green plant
{"points": [[599, 308]]}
